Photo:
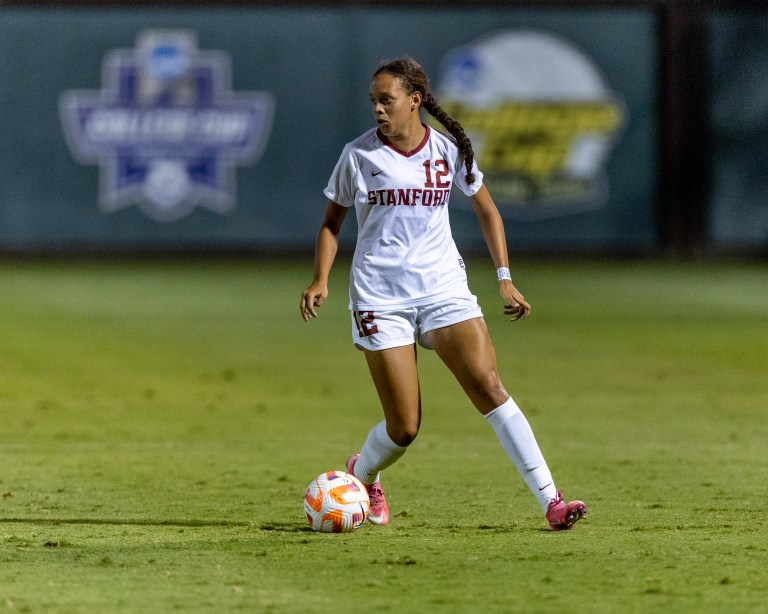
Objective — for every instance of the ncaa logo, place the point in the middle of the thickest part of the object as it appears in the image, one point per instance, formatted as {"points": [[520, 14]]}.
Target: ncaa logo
{"points": [[166, 129]]}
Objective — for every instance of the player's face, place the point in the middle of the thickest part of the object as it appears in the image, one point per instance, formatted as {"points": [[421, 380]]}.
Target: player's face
{"points": [[393, 108]]}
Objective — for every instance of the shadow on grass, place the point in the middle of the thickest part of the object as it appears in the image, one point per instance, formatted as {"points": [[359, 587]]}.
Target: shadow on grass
{"points": [[287, 527], [271, 526]]}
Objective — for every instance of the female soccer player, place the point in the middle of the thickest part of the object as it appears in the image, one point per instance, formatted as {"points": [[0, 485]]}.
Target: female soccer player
{"points": [[408, 282]]}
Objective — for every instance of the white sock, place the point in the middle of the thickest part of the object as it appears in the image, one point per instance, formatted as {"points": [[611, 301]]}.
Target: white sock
{"points": [[517, 439], [378, 453]]}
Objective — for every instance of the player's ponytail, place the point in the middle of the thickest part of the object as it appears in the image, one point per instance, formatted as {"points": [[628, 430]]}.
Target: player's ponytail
{"points": [[456, 131], [414, 79]]}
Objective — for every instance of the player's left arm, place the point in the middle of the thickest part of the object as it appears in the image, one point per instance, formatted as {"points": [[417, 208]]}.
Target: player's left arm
{"points": [[492, 228]]}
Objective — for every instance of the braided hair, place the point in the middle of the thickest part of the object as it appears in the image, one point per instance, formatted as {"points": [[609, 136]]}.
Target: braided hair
{"points": [[414, 79]]}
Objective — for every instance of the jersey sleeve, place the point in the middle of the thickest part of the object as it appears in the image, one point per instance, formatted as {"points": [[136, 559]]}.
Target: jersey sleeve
{"points": [[342, 187], [460, 178]]}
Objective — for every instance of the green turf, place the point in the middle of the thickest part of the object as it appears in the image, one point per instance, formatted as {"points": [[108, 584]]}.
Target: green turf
{"points": [[159, 423]]}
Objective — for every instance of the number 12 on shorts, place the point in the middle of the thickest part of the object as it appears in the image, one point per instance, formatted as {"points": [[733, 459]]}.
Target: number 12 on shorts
{"points": [[364, 322]]}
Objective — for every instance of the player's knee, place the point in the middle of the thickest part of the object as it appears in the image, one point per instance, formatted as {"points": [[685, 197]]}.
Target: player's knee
{"points": [[409, 434], [403, 434], [489, 388]]}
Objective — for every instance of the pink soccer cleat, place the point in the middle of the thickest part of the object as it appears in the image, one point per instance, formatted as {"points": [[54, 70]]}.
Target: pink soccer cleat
{"points": [[562, 516], [379, 512]]}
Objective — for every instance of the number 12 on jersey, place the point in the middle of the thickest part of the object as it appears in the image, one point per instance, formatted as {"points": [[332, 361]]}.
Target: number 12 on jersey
{"points": [[441, 172]]}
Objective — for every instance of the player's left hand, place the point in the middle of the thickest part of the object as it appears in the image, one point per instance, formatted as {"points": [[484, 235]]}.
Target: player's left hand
{"points": [[515, 303]]}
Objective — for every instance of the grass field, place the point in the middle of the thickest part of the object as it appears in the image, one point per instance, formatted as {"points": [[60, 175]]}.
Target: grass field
{"points": [[159, 423]]}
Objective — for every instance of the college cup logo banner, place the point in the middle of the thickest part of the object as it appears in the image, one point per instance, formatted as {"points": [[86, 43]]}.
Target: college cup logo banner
{"points": [[166, 128], [541, 117]]}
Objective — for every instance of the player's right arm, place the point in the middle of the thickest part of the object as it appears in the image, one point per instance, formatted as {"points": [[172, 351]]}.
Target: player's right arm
{"points": [[326, 246]]}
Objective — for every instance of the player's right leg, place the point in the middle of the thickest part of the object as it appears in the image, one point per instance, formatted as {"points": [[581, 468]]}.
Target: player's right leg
{"points": [[387, 338], [394, 374]]}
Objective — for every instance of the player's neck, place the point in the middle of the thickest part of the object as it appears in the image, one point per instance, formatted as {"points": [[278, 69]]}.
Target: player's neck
{"points": [[409, 139]]}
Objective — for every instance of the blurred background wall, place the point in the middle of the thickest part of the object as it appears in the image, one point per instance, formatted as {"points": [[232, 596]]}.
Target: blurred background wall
{"points": [[602, 127]]}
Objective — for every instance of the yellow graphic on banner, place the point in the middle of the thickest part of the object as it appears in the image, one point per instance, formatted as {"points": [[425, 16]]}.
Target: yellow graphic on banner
{"points": [[529, 148], [542, 119]]}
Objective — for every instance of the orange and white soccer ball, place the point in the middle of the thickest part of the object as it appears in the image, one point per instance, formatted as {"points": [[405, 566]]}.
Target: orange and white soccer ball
{"points": [[336, 502]]}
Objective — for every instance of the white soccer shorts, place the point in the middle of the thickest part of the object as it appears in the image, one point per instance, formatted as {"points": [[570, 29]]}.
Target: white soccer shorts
{"points": [[380, 330]]}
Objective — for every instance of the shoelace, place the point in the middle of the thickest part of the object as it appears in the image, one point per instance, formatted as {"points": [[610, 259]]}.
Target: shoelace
{"points": [[375, 494], [556, 500]]}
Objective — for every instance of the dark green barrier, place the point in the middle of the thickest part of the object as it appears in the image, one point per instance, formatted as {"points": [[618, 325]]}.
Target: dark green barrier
{"points": [[218, 128], [739, 125]]}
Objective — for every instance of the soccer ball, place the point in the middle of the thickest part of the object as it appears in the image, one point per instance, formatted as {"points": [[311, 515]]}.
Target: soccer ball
{"points": [[336, 502]]}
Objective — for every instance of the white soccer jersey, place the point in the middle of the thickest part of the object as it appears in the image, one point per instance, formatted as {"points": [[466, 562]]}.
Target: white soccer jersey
{"points": [[405, 253]]}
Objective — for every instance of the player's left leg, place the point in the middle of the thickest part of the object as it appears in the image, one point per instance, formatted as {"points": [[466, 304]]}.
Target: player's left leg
{"points": [[467, 351]]}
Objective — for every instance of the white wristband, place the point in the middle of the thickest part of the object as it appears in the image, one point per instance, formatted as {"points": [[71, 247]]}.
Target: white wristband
{"points": [[503, 273]]}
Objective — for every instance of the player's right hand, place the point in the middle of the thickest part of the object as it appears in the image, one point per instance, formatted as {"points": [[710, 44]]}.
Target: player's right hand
{"points": [[312, 297]]}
